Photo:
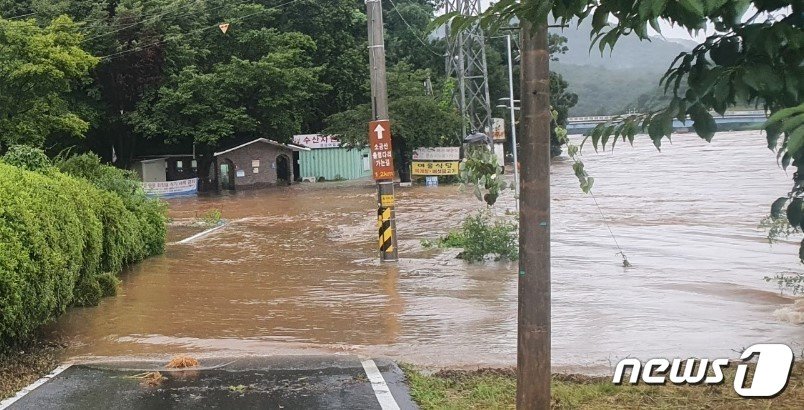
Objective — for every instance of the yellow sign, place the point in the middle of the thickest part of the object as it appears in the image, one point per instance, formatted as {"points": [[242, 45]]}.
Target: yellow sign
{"points": [[436, 168], [387, 201]]}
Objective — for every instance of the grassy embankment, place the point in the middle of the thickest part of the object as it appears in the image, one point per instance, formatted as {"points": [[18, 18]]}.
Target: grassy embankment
{"points": [[495, 389]]}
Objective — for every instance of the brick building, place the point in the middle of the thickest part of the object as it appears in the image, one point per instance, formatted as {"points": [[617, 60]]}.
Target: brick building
{"points": [[256, 164]]}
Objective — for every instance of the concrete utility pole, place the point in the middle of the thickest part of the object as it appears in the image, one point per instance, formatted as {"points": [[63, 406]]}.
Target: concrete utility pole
{"points": [[386, 215], [533, 344]]}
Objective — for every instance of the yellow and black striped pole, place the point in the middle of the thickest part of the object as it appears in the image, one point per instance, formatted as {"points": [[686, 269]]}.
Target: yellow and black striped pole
{"points": [[386, 222]]}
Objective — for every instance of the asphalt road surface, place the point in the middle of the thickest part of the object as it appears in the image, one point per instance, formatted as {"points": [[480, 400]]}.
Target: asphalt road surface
{"points": [[289, 382]]}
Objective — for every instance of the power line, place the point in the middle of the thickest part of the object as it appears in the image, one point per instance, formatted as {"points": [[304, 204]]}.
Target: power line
{"points": [[200, 30], [146, 20], [414, 32], [19, 16], [626, 264]]}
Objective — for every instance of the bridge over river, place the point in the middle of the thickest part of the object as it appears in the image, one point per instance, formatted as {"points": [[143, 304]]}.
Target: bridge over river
{"points": [[731, 121]]}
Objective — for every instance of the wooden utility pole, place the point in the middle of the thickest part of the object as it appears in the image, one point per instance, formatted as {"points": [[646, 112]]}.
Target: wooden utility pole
{"points": [[533, 344], [386, 213]]}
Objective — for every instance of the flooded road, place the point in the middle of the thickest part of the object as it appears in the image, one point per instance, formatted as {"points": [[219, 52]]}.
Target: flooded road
{"points": [[296, 270]]}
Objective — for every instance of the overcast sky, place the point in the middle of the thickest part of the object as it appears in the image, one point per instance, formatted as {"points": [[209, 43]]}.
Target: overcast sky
{"points": [[671, 31]]}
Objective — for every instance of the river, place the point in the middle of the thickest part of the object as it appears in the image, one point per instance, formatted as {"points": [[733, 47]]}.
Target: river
{"points": [[296, 271]]}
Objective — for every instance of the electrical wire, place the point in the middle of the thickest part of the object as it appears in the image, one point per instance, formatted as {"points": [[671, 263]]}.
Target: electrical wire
{"points": [[197, 31], [427, 46], [18, 16], [626, 264], [149, 19]]}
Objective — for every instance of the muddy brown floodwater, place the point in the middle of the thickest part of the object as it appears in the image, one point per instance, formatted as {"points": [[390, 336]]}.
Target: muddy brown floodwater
{"points": [[296, 270]]}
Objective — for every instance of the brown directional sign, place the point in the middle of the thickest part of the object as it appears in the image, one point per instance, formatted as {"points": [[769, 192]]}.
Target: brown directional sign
{"points": [[382, 158]]}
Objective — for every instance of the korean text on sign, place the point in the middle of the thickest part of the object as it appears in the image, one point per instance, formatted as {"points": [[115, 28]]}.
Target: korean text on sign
{"points": [[382, 154], [436, 168]]}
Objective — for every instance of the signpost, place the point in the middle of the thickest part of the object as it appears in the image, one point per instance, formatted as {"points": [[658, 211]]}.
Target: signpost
{"points": [[498, 129], [382, 154], [316, 141], [436, 168], [382, 161], [382, 165], [437, 154]]}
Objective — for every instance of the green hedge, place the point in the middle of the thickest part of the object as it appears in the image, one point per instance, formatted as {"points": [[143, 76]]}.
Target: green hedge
{"points": [[64, 238]]}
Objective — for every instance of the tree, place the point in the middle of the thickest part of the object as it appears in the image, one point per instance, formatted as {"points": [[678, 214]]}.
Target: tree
{"points": [[236, 100], [753, 57], [38, 68], [417, 119], [757, 60], [561, 100], [338, 28], [408, 37]]}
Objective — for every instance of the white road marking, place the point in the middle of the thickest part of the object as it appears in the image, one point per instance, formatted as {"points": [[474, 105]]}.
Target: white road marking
{"points": [[11, 400], [200, 235], [381, 389]]}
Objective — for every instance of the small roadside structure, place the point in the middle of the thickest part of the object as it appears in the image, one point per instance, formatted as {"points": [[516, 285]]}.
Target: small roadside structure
{"points": [[327, 159], [256, 164], [168, 175]]}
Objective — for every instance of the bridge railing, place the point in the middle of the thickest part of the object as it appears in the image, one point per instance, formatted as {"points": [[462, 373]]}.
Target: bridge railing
{"points": [[604, 118]]}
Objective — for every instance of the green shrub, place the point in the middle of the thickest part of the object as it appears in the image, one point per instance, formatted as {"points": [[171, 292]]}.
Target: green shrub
{"points": [[149, 213], [64, 239], [25, 157], [480, 235], [212, 217]]}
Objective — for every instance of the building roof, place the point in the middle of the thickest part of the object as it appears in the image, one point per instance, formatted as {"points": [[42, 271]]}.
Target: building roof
{"points": [[149, 160], [267, 141]]}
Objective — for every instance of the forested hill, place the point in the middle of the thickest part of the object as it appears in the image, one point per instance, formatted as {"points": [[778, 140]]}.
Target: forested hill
{"points": [[629, 53], [614, 81]]}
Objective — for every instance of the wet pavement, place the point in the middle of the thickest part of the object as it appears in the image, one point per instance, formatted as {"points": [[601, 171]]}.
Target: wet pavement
{"points": [[264, 383], [295, 271]]}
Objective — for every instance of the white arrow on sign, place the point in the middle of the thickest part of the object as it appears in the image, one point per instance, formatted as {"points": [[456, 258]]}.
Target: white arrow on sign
{"points": [[379, 130]]}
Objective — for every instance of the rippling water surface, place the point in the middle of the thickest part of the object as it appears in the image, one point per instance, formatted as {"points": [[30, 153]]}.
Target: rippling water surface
{"points": [[296, 270]]}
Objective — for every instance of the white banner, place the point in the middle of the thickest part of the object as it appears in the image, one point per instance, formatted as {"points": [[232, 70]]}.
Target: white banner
{"points": [[437, 154], [315, 141], [171, 188]]}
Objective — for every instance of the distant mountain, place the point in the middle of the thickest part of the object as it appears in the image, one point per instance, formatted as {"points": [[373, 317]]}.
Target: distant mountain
{"points": [[629, 52], [610, 83]]}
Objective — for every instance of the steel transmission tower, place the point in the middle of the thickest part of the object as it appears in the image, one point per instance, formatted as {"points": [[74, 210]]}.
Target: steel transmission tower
{"points": [[466, 62]]}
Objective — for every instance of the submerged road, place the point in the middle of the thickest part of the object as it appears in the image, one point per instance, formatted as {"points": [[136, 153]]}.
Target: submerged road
{"points": [[296, 271], [314, 382]]}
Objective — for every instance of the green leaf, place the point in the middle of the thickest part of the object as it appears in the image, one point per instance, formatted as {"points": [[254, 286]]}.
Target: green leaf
{"points": [[795, 143], [763, 79], [660, 126], [778, 205], [693, 6], [600, 19], [705, 126], [658, 7], [780, 115], [792, 123], [596, 134], [794, 212], [801, 251]]}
